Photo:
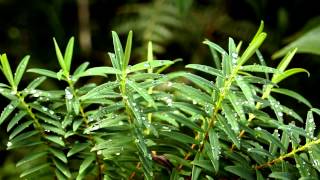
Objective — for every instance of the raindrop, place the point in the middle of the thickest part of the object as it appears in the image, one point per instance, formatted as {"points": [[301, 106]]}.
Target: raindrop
{"points": [[44, 108], [99, 152], [10, 107], [146, 65], [118, 154], [68, 94], [9, 144], [169, 84], [280, 114], [194, 102]]}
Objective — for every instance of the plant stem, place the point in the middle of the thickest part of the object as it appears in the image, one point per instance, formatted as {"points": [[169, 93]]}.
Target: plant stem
{"points": [[212, 120], [293, 152], [90, 137]]}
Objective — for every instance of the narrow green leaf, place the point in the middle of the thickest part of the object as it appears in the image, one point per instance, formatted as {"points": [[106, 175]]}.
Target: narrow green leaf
{"points": [[63, 168], [59, 154], [206, 69], [281, 175], [223, 125], [55, 139], [193, 93], [205, 164], [261, 27], [98, 71], [23, 136], [291, 113], [15, 120], [19, 129], [118, 50], [76, 124], [240, 171], [78, 147], [263, 134], [59, 56], [246, 90], [21, 69], [34, 169], [142, 92], [203, 83], [178, 137], [292, 94], [286, 60], [53, 129], [276, 107], [80, 69], [302, 166], [195, 169], [214, 149], [127, 51], [236, 104], [215, 46], [6, 69], [279, 77], [253, 46], [31, 157], [185, 121], [259, 68], [86, 163], [76, 105], [102, 89], [314, 153], [294, 129], [35, 83], [231, 117], [188, 108], [149, 64], [43, 72], [315, 110], [68, 53], [59, 175], [310, 125], [215, 58], [8, 110]]}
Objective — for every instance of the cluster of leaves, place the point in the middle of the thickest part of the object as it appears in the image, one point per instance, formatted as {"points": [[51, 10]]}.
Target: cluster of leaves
{"points": [[141, 123]]}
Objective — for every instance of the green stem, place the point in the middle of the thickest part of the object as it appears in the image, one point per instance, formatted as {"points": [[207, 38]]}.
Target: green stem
{"points": [[222, 95], [86, 121], [284, 156]]}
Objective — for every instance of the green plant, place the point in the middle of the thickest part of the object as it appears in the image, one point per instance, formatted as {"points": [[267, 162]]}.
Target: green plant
{"points": [[142, 123]]}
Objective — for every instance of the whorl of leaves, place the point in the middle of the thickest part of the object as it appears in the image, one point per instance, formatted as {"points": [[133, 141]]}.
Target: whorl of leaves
{"points": [[140, 123]]}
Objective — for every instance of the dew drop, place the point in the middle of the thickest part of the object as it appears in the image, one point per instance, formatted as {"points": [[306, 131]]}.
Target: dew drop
{"points": [[9, 144], [68, 94], [280, 114]]}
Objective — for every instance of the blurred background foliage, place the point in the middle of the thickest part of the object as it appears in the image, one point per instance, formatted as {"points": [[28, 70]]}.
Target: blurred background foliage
{"points": [[176, 27]]}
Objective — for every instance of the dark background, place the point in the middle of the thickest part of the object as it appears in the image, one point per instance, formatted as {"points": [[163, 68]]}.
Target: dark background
{"points": [[27, 27]]}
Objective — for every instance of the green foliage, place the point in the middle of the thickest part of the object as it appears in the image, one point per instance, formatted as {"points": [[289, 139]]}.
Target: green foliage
{"points": [[142, 124]]}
